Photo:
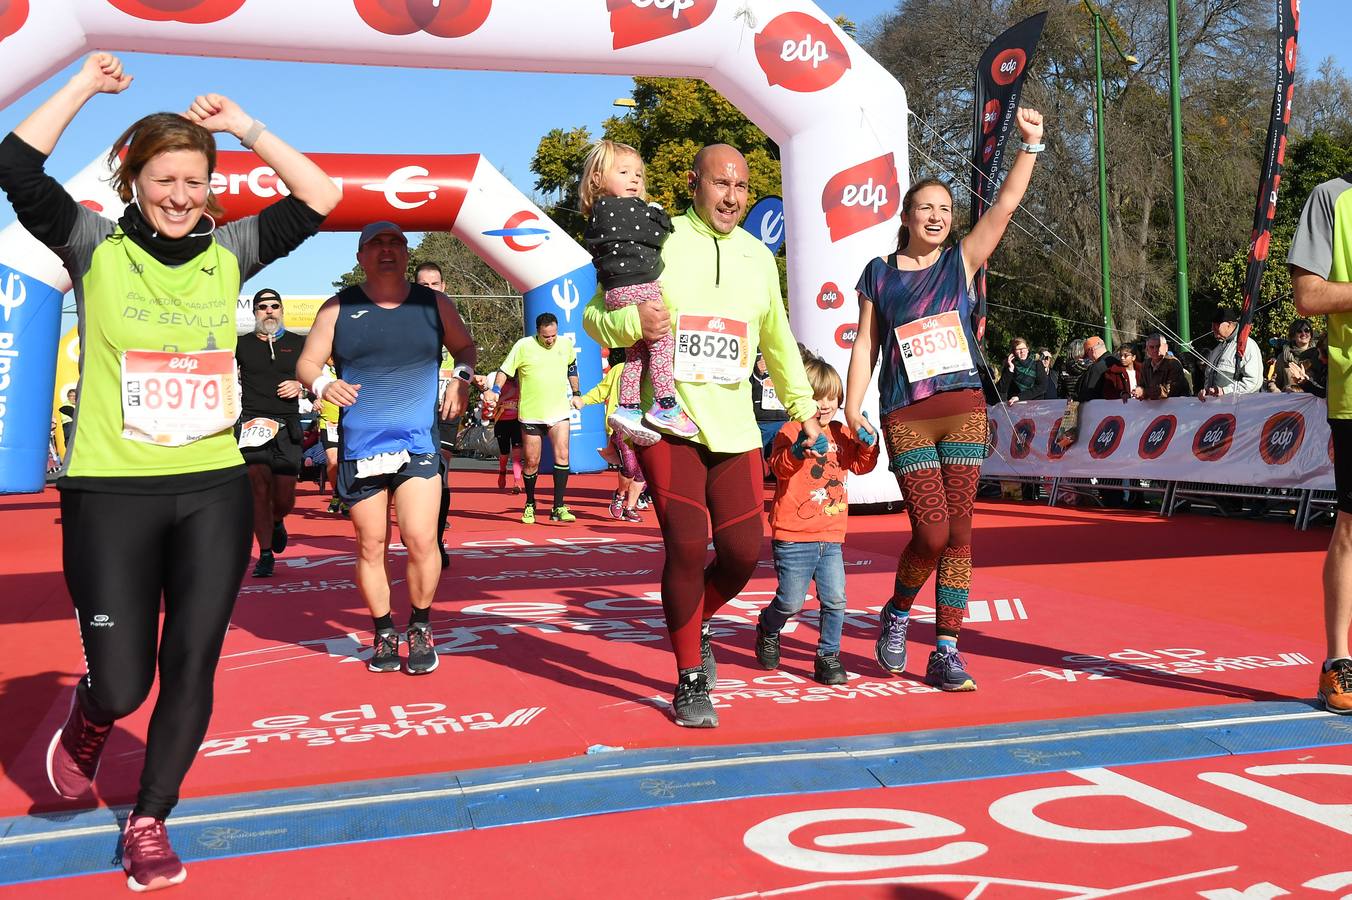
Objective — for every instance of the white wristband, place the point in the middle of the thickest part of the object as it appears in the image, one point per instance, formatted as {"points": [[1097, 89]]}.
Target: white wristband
{"points": [[1032, 148], [256, 129], [323, 381]]}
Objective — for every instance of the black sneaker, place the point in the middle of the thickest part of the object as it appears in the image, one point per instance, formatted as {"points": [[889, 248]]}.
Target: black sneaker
{"points": [[422, 652], [386, 657], [767, 648], [692, 705], [265, 564], [279, 537], [828, 670], [706, 656]]}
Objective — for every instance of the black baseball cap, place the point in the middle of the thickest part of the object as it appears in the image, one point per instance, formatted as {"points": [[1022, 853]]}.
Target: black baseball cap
{"points": [[266, 294]]}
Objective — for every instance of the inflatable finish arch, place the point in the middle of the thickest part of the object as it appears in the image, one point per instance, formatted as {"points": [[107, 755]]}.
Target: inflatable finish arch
{"points": [[838, 117]]}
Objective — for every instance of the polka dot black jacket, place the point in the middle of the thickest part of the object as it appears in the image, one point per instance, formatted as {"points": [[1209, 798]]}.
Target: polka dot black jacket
{"points": [[625, 237]]}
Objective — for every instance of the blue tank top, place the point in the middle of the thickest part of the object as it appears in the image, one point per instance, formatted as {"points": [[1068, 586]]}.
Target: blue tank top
{"points": [[394, 354], [900, 297]]}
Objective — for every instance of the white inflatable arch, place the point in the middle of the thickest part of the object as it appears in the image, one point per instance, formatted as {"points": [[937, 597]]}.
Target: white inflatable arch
{"points": [[838, 117]]}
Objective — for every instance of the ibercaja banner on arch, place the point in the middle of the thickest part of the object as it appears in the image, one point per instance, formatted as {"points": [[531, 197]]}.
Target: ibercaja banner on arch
{"points": [[837, 116]]}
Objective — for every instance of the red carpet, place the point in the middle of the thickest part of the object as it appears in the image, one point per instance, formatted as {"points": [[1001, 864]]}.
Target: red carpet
{"points": [[553, 641]]}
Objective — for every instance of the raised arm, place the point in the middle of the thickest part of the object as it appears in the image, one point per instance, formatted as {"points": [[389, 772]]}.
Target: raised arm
{"points": [[101, 73], [306, 181], [980, 243]]}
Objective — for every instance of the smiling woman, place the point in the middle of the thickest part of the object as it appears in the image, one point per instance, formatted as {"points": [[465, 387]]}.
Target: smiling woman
{"points": [[152, 442]]}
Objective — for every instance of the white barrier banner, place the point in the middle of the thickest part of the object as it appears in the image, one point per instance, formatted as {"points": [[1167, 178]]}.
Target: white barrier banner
{"points": [[1263, 440]]}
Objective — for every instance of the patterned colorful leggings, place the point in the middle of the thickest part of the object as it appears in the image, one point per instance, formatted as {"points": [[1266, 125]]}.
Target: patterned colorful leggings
{"points": [[935, 447], [657, 358]]}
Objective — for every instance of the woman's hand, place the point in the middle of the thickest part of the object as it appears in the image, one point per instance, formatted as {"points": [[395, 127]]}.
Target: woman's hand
{"points": [[1030, 125], [216, 113], [103, 72]]}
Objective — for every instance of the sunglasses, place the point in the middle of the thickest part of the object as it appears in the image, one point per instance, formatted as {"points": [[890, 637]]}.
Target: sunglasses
{"points": [[268, 306]]}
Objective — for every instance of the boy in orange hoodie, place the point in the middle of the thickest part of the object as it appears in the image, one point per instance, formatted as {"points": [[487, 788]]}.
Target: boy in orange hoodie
{"points": [[808, 521]]}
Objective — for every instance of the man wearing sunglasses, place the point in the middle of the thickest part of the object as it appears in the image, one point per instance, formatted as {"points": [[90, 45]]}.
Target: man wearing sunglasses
{"points": [[270, 433]]}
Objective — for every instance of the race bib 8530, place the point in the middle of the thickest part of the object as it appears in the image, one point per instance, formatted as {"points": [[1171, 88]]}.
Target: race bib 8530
{"points": [[934, 345]]}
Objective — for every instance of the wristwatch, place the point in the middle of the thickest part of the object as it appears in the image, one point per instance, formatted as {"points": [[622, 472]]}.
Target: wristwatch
{"points": [[463, 372]]}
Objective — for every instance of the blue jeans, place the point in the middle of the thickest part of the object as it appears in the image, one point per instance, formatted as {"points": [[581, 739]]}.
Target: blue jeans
{"points": [[797, 564]]}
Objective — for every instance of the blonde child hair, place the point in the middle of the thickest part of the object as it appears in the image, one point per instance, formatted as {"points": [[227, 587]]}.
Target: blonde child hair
{"points": [[599, 161], [825, 380]]}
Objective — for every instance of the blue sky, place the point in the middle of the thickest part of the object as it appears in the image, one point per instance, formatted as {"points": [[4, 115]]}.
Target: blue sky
{"points": [[332, 108]]}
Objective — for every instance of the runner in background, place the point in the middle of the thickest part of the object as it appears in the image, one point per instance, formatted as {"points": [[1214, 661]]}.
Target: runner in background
{"points": [[428, 274], [502, 412], [546, 369], [270, 433], [326, 421], [618, 452], [155, 502]]}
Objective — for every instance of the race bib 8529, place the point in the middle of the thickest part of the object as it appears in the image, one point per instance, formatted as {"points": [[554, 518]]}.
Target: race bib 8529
{"points": [[172, 399], [711, 349]]}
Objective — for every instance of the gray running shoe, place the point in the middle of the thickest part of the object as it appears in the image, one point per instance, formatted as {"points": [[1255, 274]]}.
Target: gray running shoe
{"points": [[692, 705], [386, 658], [829, 670], [706, 656], [947, 672], [890, 648], [767, 648], [422, 651]]}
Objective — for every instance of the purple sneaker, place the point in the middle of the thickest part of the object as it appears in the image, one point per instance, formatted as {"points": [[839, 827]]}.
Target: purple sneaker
{"points": [[673, 420], [617, 507], [947, 672], [73, 755], [629, 422], [632, 515], [147, 857]]}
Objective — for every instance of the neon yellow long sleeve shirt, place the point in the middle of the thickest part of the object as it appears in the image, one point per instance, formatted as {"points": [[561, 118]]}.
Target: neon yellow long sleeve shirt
{"points": [[732, 277]]}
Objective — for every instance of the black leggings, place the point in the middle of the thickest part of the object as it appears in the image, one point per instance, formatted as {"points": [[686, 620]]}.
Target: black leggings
{"points": [[121, 552]]}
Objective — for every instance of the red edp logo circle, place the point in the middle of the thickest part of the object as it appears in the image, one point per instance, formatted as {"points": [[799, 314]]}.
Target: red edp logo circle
{"points": [[1155, 440], [1213, 439], [846, 334], [1021, 440], [1106, 437], [1008, 65], [1283, 433]]}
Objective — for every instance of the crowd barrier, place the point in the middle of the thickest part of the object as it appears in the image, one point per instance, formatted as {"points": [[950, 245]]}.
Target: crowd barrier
{"points": [[1270, 447]]}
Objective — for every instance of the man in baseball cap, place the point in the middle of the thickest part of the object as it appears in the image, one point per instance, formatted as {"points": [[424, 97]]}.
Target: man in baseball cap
{"points": [[379, 228], [1222, 376]]}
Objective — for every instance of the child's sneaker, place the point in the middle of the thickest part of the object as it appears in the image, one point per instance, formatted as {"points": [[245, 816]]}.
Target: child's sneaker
{"points": [[829, 670], [617, 506], [947, 671], [629, 422], [672, 419], [767, 648]]}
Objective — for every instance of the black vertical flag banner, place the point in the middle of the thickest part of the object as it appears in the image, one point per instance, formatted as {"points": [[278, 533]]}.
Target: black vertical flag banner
{"points": [[999, 81], [1270, 179]]}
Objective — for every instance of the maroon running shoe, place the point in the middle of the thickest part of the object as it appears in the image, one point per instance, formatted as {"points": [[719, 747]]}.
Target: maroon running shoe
{"points": [[149, 861], [73, 755]]}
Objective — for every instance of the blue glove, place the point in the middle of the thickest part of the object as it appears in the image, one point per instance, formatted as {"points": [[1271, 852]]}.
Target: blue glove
{"points": [[866, 437], [799, 448]]}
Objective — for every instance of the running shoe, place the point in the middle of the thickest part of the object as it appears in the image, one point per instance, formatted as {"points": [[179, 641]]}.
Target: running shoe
{"points": [[73, 755], [422, 651], [632, 515], [279, 537], [1335, 687], [767, 648], [890, 648], [829, 670], [692, 706], [629, 422], [528, 514], [644, 500], [561, 514], [617, 506], [672, 419], [946, 671], [502, 480], [265, 565], [147, 858], [386, 656], [335, 505], [516, 487], [706, 656]]}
